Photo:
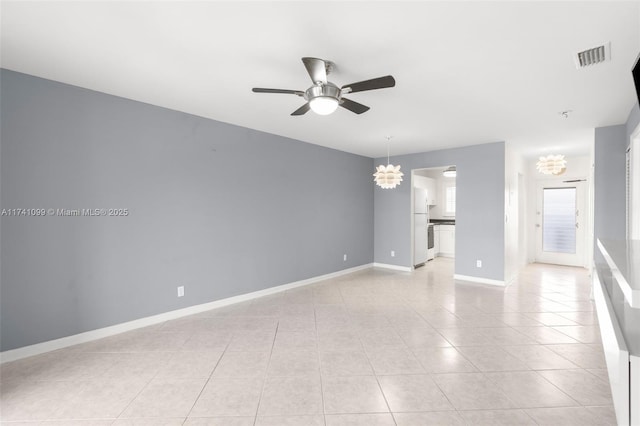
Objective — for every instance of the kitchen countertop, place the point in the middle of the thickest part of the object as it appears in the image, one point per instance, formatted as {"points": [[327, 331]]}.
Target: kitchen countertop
{"points": [[623, 257], [442, 221], [620, 277]]}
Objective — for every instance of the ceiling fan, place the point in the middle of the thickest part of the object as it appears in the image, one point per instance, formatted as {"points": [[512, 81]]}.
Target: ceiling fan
{"points": [[324, 97]]}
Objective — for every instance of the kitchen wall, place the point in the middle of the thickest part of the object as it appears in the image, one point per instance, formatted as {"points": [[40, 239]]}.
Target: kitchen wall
{"points": [[220, 209], [480, 184], [437, 211]]}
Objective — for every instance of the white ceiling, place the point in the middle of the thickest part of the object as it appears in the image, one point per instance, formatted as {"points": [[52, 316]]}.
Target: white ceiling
{"points": [[466, 72]]}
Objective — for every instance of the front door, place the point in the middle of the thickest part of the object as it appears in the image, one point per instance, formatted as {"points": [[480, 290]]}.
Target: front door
{"points": [[560, 224]]}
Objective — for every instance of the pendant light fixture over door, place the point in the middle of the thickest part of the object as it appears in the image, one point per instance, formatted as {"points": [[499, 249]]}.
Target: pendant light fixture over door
{"points": [[389, 176], [552, 165]]}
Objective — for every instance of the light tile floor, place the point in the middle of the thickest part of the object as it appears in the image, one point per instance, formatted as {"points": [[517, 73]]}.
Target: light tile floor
{"points": [[371, 348]]}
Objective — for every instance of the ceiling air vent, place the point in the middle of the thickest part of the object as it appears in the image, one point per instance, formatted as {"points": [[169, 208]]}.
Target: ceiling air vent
{"points": [[593, 56]]}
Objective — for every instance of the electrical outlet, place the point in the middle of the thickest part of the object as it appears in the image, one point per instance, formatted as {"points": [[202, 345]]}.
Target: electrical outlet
{"points": [[478, 263], [393, 253], [180, 291], [344, 258]]}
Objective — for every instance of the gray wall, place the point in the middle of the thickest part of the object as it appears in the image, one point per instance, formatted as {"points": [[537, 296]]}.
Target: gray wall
{"points": [[610, 183], [480, 186], [220, 209]]}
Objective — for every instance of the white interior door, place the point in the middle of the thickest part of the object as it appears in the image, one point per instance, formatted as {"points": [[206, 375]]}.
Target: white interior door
{"points": [[561, 223]]}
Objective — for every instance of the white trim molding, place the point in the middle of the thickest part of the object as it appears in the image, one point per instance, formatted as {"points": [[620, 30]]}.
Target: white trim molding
{"points": [[88, 336], [634, 180], [480, 280], [393, 267]]}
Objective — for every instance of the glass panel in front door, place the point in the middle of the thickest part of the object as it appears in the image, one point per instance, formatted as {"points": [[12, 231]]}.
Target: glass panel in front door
{"points": [[559, 220]]}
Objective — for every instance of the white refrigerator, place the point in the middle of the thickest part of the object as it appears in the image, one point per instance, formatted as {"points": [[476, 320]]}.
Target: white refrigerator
{"points": [[420, 226]]}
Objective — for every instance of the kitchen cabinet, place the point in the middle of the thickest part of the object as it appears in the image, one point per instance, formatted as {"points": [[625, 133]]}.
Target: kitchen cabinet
{"points": [[429, 185], [447, 240], [616, 292], [431, 191], [436, 239]]}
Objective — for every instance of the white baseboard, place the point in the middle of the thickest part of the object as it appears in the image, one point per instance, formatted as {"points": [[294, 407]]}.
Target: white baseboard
{"points": [[394, 267], [512, 280], [88, 336], [448, 255], [478, 280]]}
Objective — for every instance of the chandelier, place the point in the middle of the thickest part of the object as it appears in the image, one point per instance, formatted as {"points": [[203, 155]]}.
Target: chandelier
{"points": [[389, 176], [552, 165]]}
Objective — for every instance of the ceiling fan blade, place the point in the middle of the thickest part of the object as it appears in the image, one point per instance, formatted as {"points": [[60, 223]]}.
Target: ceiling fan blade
{"points": [[353, 106], [316, 68], [374, 83], [302, 110], [290, 92]]}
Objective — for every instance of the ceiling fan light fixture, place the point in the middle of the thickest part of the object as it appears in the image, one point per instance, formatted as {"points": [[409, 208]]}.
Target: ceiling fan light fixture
{"points": [[450, 172], [323, 105]]}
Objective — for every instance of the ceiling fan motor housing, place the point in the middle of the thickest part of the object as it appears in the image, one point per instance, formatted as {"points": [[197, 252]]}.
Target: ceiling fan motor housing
{"points": [[325, 90]]}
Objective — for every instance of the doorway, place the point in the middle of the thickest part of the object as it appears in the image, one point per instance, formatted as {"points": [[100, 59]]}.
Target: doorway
{"points": [[561, 223], [433, 213]]}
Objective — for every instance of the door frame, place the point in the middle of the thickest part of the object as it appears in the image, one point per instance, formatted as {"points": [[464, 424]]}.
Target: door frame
{"points": [[411, 218], [581, 185], [633, 192]]}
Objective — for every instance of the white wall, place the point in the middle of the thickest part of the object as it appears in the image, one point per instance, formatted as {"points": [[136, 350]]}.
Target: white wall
{"points": [[514, 167]]}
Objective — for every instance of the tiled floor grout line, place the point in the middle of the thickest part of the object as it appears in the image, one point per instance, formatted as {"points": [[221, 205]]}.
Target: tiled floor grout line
{"points": [[366, 354], [554, 385], [138, 394], [315, 323], [266, 374], [445, 395], [195, 401]]}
